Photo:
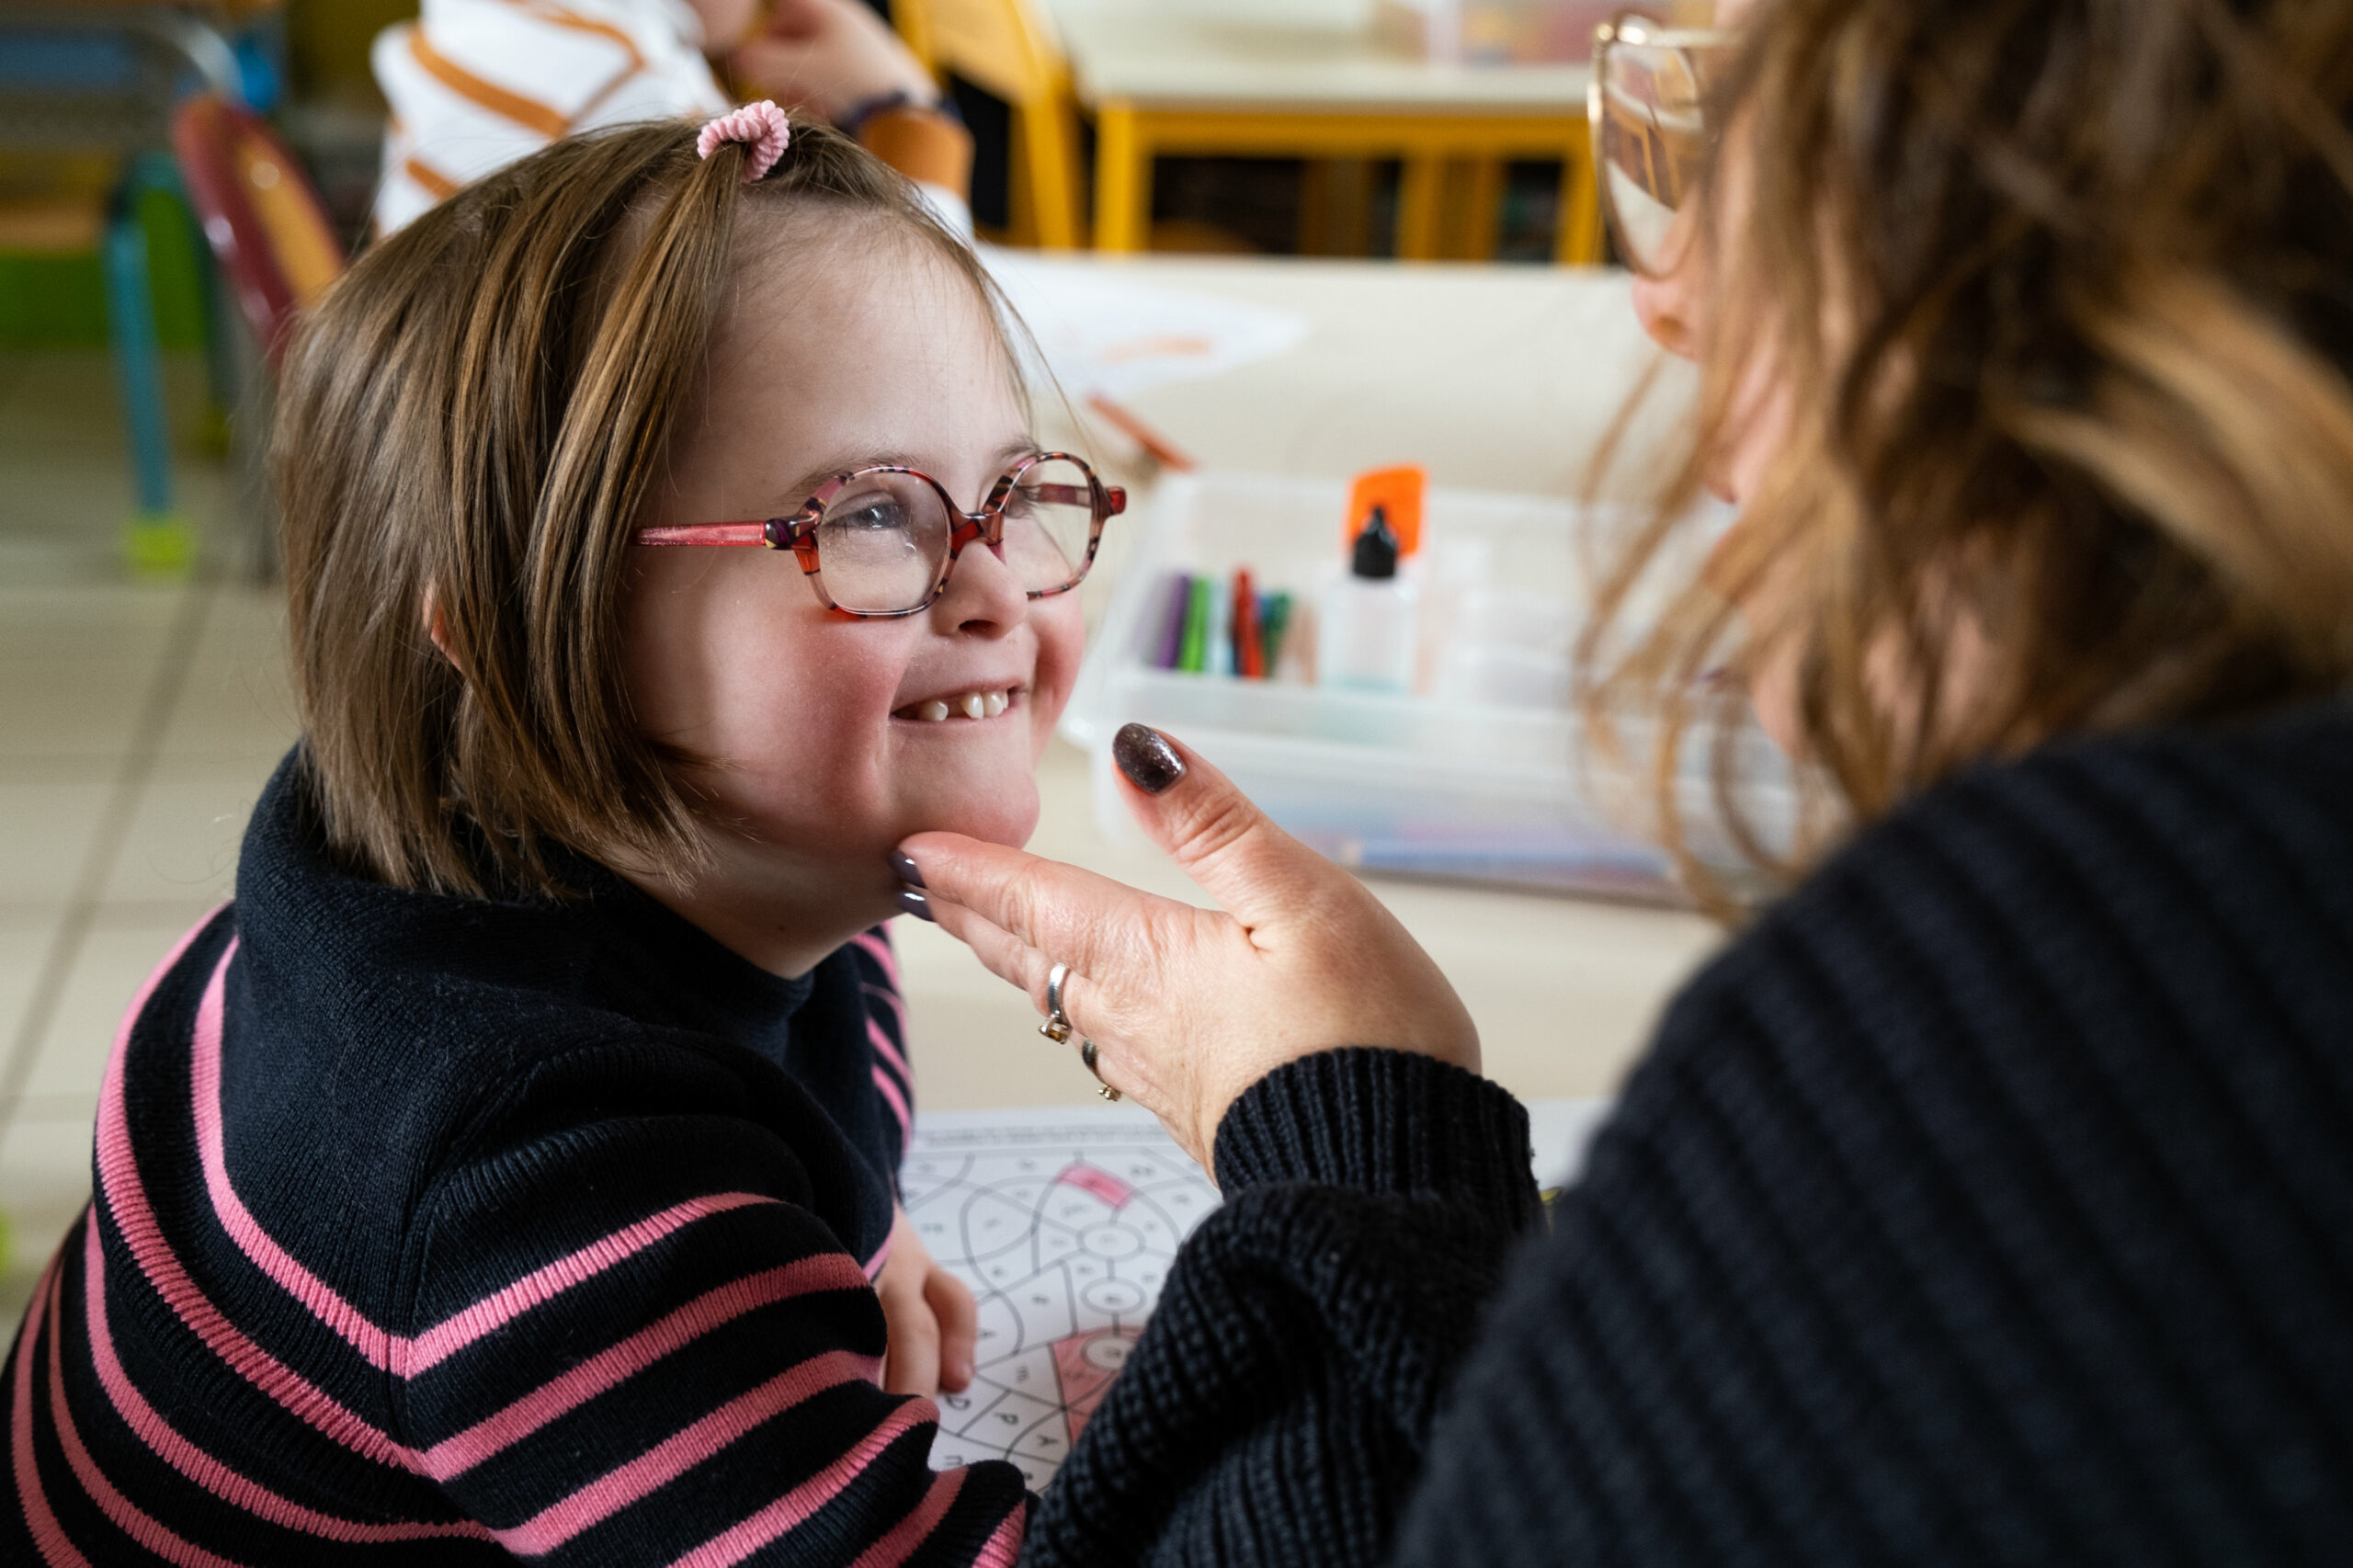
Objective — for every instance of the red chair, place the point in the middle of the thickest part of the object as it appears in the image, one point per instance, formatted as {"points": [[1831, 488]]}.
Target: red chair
{"points": [[267, 225]]}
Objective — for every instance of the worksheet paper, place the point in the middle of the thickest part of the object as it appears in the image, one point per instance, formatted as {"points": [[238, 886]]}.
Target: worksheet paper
{"points": [[1065, 1221]]}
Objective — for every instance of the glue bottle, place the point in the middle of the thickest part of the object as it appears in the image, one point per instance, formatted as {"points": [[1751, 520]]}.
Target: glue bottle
{"points": [[1366, 633]]}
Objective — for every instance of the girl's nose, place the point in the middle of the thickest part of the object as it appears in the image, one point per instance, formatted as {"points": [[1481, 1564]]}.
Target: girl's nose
{"points": [[983, 598], [1667, 310]]}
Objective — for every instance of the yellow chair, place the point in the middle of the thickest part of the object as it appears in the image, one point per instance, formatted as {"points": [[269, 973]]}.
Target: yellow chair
{"points": [[1006, 48]]}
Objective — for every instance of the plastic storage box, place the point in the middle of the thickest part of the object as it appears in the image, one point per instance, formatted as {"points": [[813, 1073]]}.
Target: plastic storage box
{"points": [[1418, 785]]}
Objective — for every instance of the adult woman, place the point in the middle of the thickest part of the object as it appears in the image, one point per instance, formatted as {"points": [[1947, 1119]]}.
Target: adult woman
{"points": [[1989, 1199]]}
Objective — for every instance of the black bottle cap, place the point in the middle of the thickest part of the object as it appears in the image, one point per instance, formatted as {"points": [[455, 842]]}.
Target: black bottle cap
{"points": [[1376, 549]]}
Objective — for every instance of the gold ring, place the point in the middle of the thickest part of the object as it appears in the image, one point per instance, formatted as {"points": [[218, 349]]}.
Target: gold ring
{"points": [[1086, 1053], [1057, 1025]]}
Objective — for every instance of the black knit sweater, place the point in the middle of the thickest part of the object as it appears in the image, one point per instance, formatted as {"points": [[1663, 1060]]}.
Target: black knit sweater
{"points": [[1989, 1202]]}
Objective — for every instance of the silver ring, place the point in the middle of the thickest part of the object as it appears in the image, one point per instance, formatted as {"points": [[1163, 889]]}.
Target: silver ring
{"points": [[1087, 1053], [1057, 1025]]}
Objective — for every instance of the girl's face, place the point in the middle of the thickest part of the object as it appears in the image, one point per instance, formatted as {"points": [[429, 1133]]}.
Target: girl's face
{"points": [[847, 349]]}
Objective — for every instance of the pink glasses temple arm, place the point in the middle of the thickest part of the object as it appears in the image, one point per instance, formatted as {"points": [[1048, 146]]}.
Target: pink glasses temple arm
{"points": [[704, 533]]}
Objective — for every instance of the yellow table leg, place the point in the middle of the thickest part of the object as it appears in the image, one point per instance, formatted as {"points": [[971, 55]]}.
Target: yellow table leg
{"points": [[1122, 179], [1421, 193], [1482, 201], [1578, 240], [1053, 181]]}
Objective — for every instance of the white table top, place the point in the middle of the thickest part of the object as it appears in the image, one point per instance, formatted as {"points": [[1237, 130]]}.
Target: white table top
{"points": [[1497, 377], [1167, 59]]}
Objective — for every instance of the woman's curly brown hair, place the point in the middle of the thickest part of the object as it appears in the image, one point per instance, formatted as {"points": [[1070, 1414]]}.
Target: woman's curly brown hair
{"points": [[2062, 292]]}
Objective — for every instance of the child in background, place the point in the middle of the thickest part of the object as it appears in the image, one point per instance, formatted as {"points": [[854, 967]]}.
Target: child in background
{"points": [[474, 85], [504, 1171]]}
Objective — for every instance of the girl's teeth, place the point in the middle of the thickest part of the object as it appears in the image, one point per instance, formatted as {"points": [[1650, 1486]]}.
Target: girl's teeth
{"points": [[972, 705]]}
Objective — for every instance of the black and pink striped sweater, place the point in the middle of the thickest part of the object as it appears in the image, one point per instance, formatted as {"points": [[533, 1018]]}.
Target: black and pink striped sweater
{"points": [[434, 1230]]}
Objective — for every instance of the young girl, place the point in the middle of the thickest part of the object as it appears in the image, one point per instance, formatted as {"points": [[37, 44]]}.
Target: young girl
{"points": [[508, 1168]]}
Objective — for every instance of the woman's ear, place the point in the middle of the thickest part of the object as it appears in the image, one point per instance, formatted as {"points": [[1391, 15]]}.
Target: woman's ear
{"points": [[438, 628]]}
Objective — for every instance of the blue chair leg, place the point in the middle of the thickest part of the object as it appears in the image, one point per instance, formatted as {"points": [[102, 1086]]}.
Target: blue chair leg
{"points": [[159, 540]]}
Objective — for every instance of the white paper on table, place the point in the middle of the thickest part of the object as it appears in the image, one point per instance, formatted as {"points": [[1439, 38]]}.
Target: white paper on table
{"points": [[1065, 1221], [1101, 332]]}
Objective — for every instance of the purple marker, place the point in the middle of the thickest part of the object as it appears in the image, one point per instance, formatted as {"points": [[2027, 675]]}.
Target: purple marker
{"points": [[1172, 635]]}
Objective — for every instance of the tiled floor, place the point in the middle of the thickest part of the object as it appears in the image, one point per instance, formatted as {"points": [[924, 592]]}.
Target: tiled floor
{"points": [[137, 723]]}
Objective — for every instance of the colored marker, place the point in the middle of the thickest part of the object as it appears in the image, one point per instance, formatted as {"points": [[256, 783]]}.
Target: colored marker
{"points": [[1171, 647], [1249, 653], [1273, 621], [1217, 654], [1192, 657]]}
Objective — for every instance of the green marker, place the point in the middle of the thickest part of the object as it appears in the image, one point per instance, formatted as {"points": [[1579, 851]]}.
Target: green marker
{"points": [[1273, 621], [1193, 656]]}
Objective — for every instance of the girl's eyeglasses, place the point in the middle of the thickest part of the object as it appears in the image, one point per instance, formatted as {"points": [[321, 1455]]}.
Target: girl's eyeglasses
{"points": [[1649, 135], [880, 541]]}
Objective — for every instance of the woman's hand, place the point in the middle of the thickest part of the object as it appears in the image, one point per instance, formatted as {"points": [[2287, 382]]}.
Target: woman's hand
{"points": [[930, 1316], [1188, 1006], [830, 55]]}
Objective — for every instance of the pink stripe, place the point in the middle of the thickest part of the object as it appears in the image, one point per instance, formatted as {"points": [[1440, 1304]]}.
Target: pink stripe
{"points": [[125, 1198], [1005, 1541], [881, 1038], [345, 1320], [877, 948], [201, 1467], [438, 1344], [127, 1517], [898, 1004], [874, 1266], [680, 1453], [897, 1101], [911, 1532], [827, 1271], [734, 1544], [56, 1549], [379, 1347]]}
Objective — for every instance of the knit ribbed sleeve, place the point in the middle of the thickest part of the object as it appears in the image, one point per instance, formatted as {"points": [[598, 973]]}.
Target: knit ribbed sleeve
{"points": [[1385, 1121], [1281, 1396]]}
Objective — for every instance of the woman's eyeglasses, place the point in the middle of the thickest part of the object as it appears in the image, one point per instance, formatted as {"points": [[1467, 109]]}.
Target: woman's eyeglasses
{"points": [[1650, 134], [880, 541]]}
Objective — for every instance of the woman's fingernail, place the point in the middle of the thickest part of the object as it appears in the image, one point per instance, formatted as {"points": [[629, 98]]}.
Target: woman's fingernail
{"points": [[909, 872], [913, 901], [1144, 755]]}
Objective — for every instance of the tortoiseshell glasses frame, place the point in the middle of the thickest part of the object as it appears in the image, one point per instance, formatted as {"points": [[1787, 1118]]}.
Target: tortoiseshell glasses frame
{"points": [[921, 560]]}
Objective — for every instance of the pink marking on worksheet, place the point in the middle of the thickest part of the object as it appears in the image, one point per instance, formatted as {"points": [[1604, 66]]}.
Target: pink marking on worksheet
{"points": [[1101, 1183], [1087, 1378]]}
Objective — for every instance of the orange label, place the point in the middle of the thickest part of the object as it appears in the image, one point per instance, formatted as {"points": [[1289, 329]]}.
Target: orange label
{"points": [[1397, 491]]}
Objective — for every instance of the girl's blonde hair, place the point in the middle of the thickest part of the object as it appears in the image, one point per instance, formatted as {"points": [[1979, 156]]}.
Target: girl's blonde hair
{"points": [[472, 421], [2062, 294]]}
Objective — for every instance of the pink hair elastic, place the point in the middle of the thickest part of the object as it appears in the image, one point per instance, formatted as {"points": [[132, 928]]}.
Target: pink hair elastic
{"points": [[760, 127]]}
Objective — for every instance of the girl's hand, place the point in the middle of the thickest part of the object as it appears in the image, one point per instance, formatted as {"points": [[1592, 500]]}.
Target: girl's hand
{"points": [[1188, 1006], [931, 1319]]}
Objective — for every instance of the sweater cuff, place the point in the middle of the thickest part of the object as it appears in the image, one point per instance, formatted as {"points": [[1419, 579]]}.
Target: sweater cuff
{"points": [[1386, 1121]]}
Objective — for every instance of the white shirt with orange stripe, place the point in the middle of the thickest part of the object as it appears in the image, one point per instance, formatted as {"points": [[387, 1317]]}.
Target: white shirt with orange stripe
{"points": [[475, 85]]}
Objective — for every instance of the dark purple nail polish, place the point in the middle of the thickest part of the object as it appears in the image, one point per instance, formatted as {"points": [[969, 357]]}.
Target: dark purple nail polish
{"points": [[1144, 755], [914, 902], [909, 872]]}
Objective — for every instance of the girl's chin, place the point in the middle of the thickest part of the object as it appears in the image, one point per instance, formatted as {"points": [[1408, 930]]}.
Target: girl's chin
{"points": [[1007, 816]]}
